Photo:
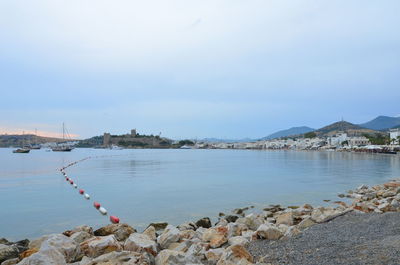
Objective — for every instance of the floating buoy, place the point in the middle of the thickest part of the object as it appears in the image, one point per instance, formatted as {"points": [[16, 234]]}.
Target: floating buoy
{"points": [[114, 219], [87, 197], [75, 186], [67, 179], [96, 205], [102, 211], [81, 191], [71, 182]]}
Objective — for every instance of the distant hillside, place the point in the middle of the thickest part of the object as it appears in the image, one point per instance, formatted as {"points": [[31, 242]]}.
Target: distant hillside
{"points": [[289, 132], [382, 123], [15, 140], [131, 141], [349, 128]]}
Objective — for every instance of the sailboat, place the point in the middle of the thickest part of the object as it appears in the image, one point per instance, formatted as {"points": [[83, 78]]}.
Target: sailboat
{"points": [[63, 147], [23, 149]]}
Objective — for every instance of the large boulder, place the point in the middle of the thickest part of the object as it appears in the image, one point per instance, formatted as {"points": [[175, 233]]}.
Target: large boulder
{"points": [[285, 218], [8, 252], [141, 243], [120, 231], [204, 222], [159, 226], [217, 236], [63, 244], [172, 257], [214, 254], [252, 221], [187, 226], [80, 236], [46, 256], [82, 228], [321, 215], [120, 257], [98, 246], [306, 223], [235, 255], [238, 240], [171, 234], [269, 232], [150, 232]]}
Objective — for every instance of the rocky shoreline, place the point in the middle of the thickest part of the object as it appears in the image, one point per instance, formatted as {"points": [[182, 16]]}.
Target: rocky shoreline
{"points": [[236, 238]]}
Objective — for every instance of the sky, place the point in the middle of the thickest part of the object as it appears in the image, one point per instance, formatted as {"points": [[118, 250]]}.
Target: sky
{"points": [[196, 69]]}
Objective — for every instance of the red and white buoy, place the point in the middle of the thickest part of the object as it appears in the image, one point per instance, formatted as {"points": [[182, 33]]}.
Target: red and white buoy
{"points": [[71, 182], [87, 197], [81, 191], [96, 205], [114, 219]]}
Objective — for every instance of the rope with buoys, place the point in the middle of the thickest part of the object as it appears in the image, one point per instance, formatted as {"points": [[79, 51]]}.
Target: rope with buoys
{"points": [[102, 210]]}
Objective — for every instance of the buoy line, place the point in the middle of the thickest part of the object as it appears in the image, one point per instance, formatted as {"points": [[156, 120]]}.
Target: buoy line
{"points": [[102, 210]]}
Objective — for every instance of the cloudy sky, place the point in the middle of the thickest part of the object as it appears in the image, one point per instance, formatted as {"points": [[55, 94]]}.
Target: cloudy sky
{"points": [[194, 69]]}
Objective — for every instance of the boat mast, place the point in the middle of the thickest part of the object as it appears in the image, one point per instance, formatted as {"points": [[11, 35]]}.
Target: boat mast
{"points": [[63, 132]]}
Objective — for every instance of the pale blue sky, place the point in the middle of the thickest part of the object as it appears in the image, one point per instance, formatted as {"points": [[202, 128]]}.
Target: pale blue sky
{"points": [[233, 68]]}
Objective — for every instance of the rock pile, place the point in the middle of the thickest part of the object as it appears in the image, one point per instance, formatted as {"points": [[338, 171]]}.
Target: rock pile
{"points": [[192, 243]]}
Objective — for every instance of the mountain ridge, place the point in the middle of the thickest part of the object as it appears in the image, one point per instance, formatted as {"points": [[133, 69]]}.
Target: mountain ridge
{"points": [[381, 123], [289, 132]]}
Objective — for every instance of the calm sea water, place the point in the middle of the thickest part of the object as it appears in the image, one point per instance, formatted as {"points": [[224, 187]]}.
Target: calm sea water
{"points": [[143, 186]]}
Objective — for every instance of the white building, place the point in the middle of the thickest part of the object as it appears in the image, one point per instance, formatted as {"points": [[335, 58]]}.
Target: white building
{"points": [[337, 140], [395, 134], [358, 141]]}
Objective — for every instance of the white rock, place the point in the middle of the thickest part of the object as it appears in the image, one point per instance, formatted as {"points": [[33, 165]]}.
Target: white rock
{"points": [[172, 257], [150, 232], [305, 223], [100, 245], [238, 240], [119, 258], [46, 256], [80, 236], [267, 231], [235, 255], [65, 245], [187, 226], [169, 235], [213, 255], [140, 243]]}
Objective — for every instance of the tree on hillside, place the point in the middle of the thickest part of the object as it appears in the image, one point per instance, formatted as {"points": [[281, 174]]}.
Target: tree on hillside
{"points": [[310, 135]]}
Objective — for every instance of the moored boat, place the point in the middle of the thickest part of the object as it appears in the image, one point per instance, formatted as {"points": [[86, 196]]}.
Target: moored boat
{"points": [[62, 147], [21, 150]]}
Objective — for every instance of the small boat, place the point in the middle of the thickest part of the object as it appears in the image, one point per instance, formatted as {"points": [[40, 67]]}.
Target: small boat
{"points": [[21, 150], [35, 147], [61, 148], [115, 147]]}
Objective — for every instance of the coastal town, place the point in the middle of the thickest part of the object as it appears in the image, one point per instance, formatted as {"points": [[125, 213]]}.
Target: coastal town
{"points": [[340, 141], [338, 136]]}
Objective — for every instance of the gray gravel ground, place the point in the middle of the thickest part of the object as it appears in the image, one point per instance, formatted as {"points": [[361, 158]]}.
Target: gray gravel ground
{"points": [[354, 238]]}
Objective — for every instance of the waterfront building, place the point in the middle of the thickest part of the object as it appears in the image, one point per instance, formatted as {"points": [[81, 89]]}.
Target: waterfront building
{"points": [[337, 139], [395, 135], [358, 141]]}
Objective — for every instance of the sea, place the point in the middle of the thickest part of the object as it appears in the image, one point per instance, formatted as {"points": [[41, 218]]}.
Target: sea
{"points": [[141, 186]]}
